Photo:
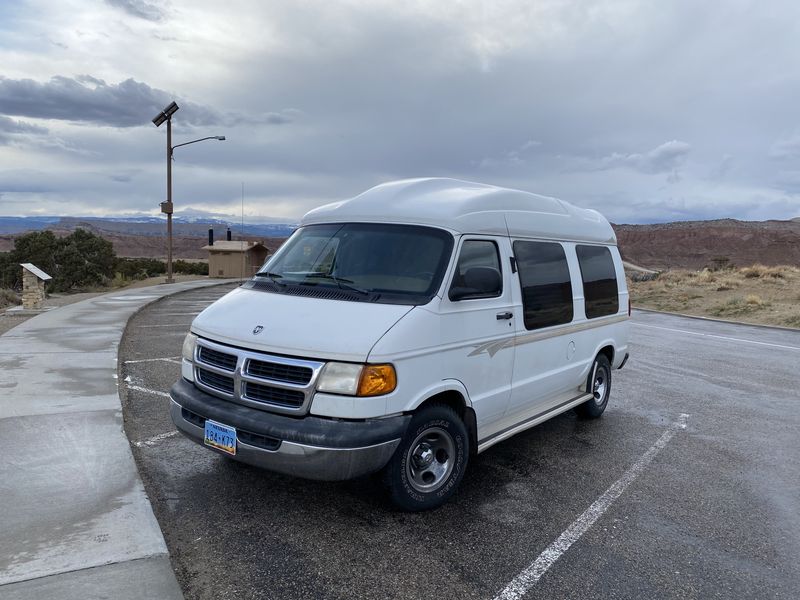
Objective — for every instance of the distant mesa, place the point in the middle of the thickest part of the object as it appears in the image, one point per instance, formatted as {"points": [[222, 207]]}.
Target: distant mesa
{"points": [[681, 244], [697, 244], [145, 237]]}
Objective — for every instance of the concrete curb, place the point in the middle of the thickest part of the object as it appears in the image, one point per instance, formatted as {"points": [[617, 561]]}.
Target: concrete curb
{"points": [[715, 320], [76, 521]]}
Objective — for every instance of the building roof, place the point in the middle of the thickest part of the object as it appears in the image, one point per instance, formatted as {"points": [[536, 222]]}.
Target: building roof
{"points": [[466, 207], [234, 246], [36, 271]]}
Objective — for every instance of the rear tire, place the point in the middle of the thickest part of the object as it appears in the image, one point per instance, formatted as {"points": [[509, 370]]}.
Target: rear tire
{"points": [[430, 461], [600, 388]]}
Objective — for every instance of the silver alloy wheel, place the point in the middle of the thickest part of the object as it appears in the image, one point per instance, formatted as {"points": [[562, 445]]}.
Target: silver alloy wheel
{"points": [[600, 385], [430, 459]]}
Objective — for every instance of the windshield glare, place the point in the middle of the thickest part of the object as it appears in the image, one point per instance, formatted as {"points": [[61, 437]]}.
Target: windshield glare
{"points": [[400, 262]]}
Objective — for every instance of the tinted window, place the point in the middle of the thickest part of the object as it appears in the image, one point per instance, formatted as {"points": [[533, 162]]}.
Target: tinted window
{"points": [[599, 281], [477, 271], [546, 288]]}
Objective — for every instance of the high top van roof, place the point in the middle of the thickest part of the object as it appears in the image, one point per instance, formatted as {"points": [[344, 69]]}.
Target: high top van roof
{"points": [[467, 207]]}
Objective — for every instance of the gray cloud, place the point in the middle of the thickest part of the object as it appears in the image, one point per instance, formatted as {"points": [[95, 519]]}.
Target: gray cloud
{"points": [[130, 103], [11, 130], [8, 125], [786, 148], [381, 90], [662, 159], [120, 178], [139, 8], [517, 156]]}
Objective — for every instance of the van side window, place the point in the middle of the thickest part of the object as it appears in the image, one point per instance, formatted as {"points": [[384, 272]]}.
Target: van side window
{"points": [[477, 272], [599, 281], [545, 282]]}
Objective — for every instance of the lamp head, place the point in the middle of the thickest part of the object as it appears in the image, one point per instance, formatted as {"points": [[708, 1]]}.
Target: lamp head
{"points": [[165, 114]]}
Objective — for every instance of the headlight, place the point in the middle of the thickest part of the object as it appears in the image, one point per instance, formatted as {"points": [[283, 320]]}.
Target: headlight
{"points": [[189, 342], [357, 380]]}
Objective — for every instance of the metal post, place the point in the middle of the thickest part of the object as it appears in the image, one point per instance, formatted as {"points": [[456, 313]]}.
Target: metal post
{"points": [[169, 201]]}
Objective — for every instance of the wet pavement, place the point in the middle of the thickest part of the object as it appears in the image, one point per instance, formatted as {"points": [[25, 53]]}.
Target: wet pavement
{"points": [[714, 512], [75, 520]]}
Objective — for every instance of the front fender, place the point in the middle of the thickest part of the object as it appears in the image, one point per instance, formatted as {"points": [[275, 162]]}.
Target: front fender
{"points": [[445, 385]]}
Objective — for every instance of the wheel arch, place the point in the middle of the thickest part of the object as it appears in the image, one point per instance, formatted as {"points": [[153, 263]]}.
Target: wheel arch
{"points": [[454, 394], [609, 352]]}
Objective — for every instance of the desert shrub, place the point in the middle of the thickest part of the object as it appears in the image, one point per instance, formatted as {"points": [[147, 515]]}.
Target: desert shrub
{"points": [[139, 268], [5, 271], [751, 272], [80, 259], [762, 272], [190, 268], [83, 259], [9, 297], [37, 247], [706, 276], [720, 263], [641, 276], [674, 276], [754, 300], [774, 272]]}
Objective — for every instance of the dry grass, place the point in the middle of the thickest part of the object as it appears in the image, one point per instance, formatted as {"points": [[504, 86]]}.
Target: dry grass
{"points": [[8, 298], [757, 294]]}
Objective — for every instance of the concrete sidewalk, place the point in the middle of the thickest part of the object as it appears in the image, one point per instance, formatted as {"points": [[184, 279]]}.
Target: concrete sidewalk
{"points": [[75, 521]]}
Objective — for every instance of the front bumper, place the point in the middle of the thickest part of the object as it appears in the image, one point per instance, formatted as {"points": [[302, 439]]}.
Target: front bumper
{"points": [[310, 447]]}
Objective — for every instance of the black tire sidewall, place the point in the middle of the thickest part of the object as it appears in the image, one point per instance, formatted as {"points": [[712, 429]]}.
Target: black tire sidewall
{"points": [[602, 363], [591, 409], [403, 493]]}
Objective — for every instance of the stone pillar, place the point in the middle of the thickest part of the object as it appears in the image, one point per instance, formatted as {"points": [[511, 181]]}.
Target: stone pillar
{"points": [[32, 291]]}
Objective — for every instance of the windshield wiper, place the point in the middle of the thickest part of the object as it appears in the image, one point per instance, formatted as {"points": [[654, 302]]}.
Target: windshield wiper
{"points": [[340, 282], [273, 276]]}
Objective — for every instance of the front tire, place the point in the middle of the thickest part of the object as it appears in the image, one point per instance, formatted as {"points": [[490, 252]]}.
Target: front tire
{"points": [[430, 461], [600, 387]]}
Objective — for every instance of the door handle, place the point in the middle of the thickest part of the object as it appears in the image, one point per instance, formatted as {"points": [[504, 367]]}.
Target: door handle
{"points": [[503, 316]]}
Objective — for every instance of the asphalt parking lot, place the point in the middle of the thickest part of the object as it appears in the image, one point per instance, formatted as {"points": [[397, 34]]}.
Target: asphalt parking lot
{"points": [[688, 487]]}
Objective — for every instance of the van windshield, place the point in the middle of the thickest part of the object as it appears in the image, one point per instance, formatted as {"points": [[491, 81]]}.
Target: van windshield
{"points": [[369, 262]]}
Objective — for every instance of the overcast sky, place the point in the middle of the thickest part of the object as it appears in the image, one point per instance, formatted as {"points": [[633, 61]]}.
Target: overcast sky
{"points": [[646, 111]]}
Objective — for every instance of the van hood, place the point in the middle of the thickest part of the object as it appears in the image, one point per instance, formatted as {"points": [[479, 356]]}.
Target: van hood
{"points": [[309, 327]]}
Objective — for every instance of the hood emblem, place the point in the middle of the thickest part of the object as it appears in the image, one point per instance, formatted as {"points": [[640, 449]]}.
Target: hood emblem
{"points": [[258, 329]]}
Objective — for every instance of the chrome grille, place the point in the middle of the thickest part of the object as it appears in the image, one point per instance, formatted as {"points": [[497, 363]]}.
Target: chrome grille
{"points": [[215, 380], [279, 372], [265, 381], [223, 360], [273, 395]]}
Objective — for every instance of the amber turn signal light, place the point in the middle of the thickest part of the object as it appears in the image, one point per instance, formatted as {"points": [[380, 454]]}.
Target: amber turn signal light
{"points": [[377, 380]]}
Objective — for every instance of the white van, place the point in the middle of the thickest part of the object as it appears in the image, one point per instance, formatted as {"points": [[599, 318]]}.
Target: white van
{"points": [[408, 329]]}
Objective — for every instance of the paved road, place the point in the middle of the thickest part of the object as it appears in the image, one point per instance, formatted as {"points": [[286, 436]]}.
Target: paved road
{"points": [[711, 510]]}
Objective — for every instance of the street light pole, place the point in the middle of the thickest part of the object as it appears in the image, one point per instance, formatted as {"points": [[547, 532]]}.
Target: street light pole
{"points": [[167, 207], [169, 200]]}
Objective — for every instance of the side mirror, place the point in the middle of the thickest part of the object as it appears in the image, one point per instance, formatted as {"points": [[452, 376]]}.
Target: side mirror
{"points": [[479, 282]]}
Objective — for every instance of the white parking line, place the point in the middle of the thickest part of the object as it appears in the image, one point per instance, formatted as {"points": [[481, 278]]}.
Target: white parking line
{"points": [[523, 582], [172, 359], [719, 337], [148, 391], [155, 439]]}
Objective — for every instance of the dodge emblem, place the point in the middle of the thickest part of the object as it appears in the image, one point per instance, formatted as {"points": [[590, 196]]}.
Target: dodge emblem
{"points": [[258, 329]]}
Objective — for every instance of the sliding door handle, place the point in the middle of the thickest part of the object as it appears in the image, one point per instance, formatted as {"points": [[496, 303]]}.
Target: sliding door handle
{"points": [[504, 316]]}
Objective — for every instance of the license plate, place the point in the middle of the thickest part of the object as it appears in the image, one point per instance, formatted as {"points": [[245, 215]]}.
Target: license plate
{"points": [[220, 436]]}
